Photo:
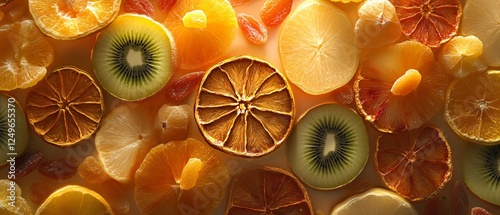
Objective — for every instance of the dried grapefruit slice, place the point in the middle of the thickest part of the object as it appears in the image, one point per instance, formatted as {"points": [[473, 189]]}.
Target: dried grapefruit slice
{"points": [[244, 107], [65, 107], [267, 190], [415, 164], [461, 56], [427, 21], [400, 87], [180, 177]]}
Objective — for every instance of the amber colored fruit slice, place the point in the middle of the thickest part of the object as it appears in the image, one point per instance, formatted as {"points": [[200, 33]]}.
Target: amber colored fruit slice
{"points": [[67, 20], [378, 24], [74, 199], [416, 164], [17, 207], [198, 46], [473, 107], [91, 171], [244, 107], [65, 107], [427, 21], [25, 55], [180, 177], [317, 47], [267, 190], [461, 56], [414, 100]]}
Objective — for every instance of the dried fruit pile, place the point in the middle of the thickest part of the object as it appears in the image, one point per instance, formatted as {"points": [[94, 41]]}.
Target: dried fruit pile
{"points": [[250, 107]]}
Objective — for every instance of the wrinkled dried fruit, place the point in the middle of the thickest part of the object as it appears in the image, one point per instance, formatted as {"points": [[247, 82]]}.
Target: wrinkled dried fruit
{"points": [[479, 211], [166, 5], [183, 86], [27, 163], [253, 30], [344, 95], [39, 191], [236, 3], [58, 169], [144, 7], [459, 199], [91, 171], [273, 12], [174, 122]]}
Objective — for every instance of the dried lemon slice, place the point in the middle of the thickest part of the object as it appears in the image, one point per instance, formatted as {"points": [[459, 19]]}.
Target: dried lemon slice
{"points": [[244, 107]]}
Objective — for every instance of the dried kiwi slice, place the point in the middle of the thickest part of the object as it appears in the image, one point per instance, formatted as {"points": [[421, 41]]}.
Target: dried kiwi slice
{"points": [[13, 129], [328, 147], [133, 57], [482, 171]]}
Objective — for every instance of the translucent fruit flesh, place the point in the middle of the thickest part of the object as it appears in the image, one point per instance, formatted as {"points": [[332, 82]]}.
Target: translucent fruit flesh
{"points": [[21, 207], [461, 56], [378, 24]]}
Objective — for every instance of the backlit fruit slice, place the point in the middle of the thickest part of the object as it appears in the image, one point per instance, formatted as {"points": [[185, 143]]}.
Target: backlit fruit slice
{"points": [[74, 199], [328, 146], [376, 201], [25, 55], [399, 87], [317, 47], [133, 57], [125, 137], [201, 32], [18, 206], [65, 107], [267, 190], [377, 25], [481, 19], [14, 134], [482, 171], [427, 21], [461, 56], [473, 107], [244, 107], [416, 164], [67, 20], [180, 177]]}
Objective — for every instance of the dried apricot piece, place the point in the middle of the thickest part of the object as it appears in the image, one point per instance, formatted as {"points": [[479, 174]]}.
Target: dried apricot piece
{"points": [[27, 163], [253, 30], [91, 171], [183, 86], [273, 12], [144, 7], [57, 169]]}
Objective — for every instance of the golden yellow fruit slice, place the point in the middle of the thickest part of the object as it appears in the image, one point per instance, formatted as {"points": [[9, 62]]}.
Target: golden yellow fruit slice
{"points": [[461, 56], [12, 203]]}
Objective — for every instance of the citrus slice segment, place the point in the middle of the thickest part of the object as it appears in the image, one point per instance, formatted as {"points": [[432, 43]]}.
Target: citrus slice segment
{"points": [[176, 177], [317, 47], [472, 107], [375, 201], [429, 22], [65, 107], [201, 33], [67, 20], [13, 129], [267, 190], [416, 164], [461, 56], [74, 199], [17, 206], [244, 107], [399, 87], [125, 137], [377, 25]]}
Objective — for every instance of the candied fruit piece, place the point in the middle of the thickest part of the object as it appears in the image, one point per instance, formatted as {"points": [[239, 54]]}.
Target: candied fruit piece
{"points": [[195, 19], [183, 86], [236, 3], [91, 171], [189, 174], [253, 30], [39, 191], [273, 12], [479, 211], [173, 121], [58, 169], [144, 7]]}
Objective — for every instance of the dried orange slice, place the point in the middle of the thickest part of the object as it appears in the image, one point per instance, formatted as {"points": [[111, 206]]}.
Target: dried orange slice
{"points": [[415, 164], [427, 21], [267, 190], [244, 107], [400, 87], [65, 107], [473, 107], [180, 177], [67, 20]]}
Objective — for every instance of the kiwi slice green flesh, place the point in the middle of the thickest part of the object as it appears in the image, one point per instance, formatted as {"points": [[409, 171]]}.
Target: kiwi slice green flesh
{"points": [[482, 171], [11, 116], [328, 147], [132, 57]]}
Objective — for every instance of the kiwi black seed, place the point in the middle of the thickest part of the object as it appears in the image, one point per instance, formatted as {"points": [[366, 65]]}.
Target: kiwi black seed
{"points": [[14, 134], [482, 171], [133, 57], [328, 147]]}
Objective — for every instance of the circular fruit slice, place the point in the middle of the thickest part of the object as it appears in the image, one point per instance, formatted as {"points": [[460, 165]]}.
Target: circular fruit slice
{"points": [[317, 48], [244, 107], [328, 146], [132, 57], [74, 199], [377, 25], [429, 22], [482, 171], [10, 188], [472, 107], [461, 56], [67, 20], [65, 107], [202, 34], [376, 201], [13, 129], [180, 177], [416, 164], [400, 87], [267, 190]]}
